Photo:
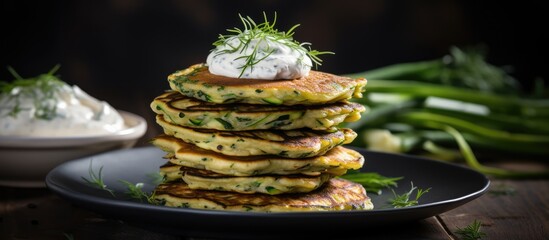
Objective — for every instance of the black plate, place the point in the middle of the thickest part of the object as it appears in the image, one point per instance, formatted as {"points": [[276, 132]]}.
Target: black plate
{"points": [[451, 186]]}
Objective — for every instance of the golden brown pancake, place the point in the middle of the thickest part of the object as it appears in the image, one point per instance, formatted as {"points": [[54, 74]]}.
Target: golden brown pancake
{"points": [[171, 172], [190, 112], [265, 184], [336, 195], [336, 161], [299, 143], [316, 88]]}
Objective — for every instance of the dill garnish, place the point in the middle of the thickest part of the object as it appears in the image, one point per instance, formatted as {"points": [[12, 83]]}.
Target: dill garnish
{"points": [[471, 232], [96, 179], [41, 89], [400, 201], [135, 191], [262, 33]]}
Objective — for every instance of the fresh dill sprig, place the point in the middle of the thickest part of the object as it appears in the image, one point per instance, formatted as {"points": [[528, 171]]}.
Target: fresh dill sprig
{"points": [[96, 179], [41, 89], [372, 182], [135, 191], [262, 33], [403, 200], [471, 231]]}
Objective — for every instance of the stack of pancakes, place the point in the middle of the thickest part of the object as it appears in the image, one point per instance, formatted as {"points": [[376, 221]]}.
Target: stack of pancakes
{"points": [[256, 145]]}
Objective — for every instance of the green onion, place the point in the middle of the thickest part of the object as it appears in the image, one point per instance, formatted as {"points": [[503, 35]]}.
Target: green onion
{"points": [[372, 182], [447, 108]]}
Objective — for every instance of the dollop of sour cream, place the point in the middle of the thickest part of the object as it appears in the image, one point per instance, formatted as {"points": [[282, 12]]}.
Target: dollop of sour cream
{"points": [[273, 60], [70, 110]]}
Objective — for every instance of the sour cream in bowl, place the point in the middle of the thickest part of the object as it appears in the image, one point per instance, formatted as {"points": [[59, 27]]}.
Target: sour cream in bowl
{"points": [[45, 122]]}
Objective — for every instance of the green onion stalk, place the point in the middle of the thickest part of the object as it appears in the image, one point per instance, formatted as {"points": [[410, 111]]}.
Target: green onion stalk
{"points": [[455, 109]]}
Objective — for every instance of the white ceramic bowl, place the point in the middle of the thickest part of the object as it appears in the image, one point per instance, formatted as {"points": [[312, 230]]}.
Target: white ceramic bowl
{"points": [[25, 161]]}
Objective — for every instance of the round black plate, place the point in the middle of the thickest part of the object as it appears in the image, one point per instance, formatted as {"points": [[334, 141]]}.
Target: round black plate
{"points": [[451, 186]]}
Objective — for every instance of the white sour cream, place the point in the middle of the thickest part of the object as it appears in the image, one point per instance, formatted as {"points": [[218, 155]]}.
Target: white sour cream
{"points": [[76, 114], [278, 61]]}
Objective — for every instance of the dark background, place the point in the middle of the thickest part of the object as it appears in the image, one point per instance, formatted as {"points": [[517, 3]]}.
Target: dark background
{"points": [[121, 51]]}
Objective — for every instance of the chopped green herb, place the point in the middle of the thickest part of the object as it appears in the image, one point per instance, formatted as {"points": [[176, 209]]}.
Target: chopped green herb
{"points": [[400, 201], [42, 89], [135, 191], [280, 118], [243, 119], [259, 121], [226, 125], [202, 95], [186, 78], [283, 153], [271, 189], [184, 205], [272, 100], [471, 232], [96, 179], [196, 122], [229, 98]]}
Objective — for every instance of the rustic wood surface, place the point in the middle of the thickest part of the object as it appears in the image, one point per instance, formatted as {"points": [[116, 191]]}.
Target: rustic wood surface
{"points": [[509, 210]]}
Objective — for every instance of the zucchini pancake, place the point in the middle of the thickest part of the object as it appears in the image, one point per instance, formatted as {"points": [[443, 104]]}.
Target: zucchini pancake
{"points": [[191, 112], [255, 129], [336, 194], [298, 143], [336, 161], [314, 89], [268, 184]]}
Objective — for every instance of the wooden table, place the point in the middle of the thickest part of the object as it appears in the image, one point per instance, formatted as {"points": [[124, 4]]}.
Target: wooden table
{"points": [[509, 210]]}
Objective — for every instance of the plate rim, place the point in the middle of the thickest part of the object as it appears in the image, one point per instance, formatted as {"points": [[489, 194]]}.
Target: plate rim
{"points": [[68, 193]]}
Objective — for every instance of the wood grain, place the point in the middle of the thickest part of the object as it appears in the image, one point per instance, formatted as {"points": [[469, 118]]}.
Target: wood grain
{"points": [[523, 214]]}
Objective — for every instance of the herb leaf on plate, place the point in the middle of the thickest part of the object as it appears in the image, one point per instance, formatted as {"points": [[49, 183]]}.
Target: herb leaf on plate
{"points": [[373, 182], [96, 179], [403, 200]]}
